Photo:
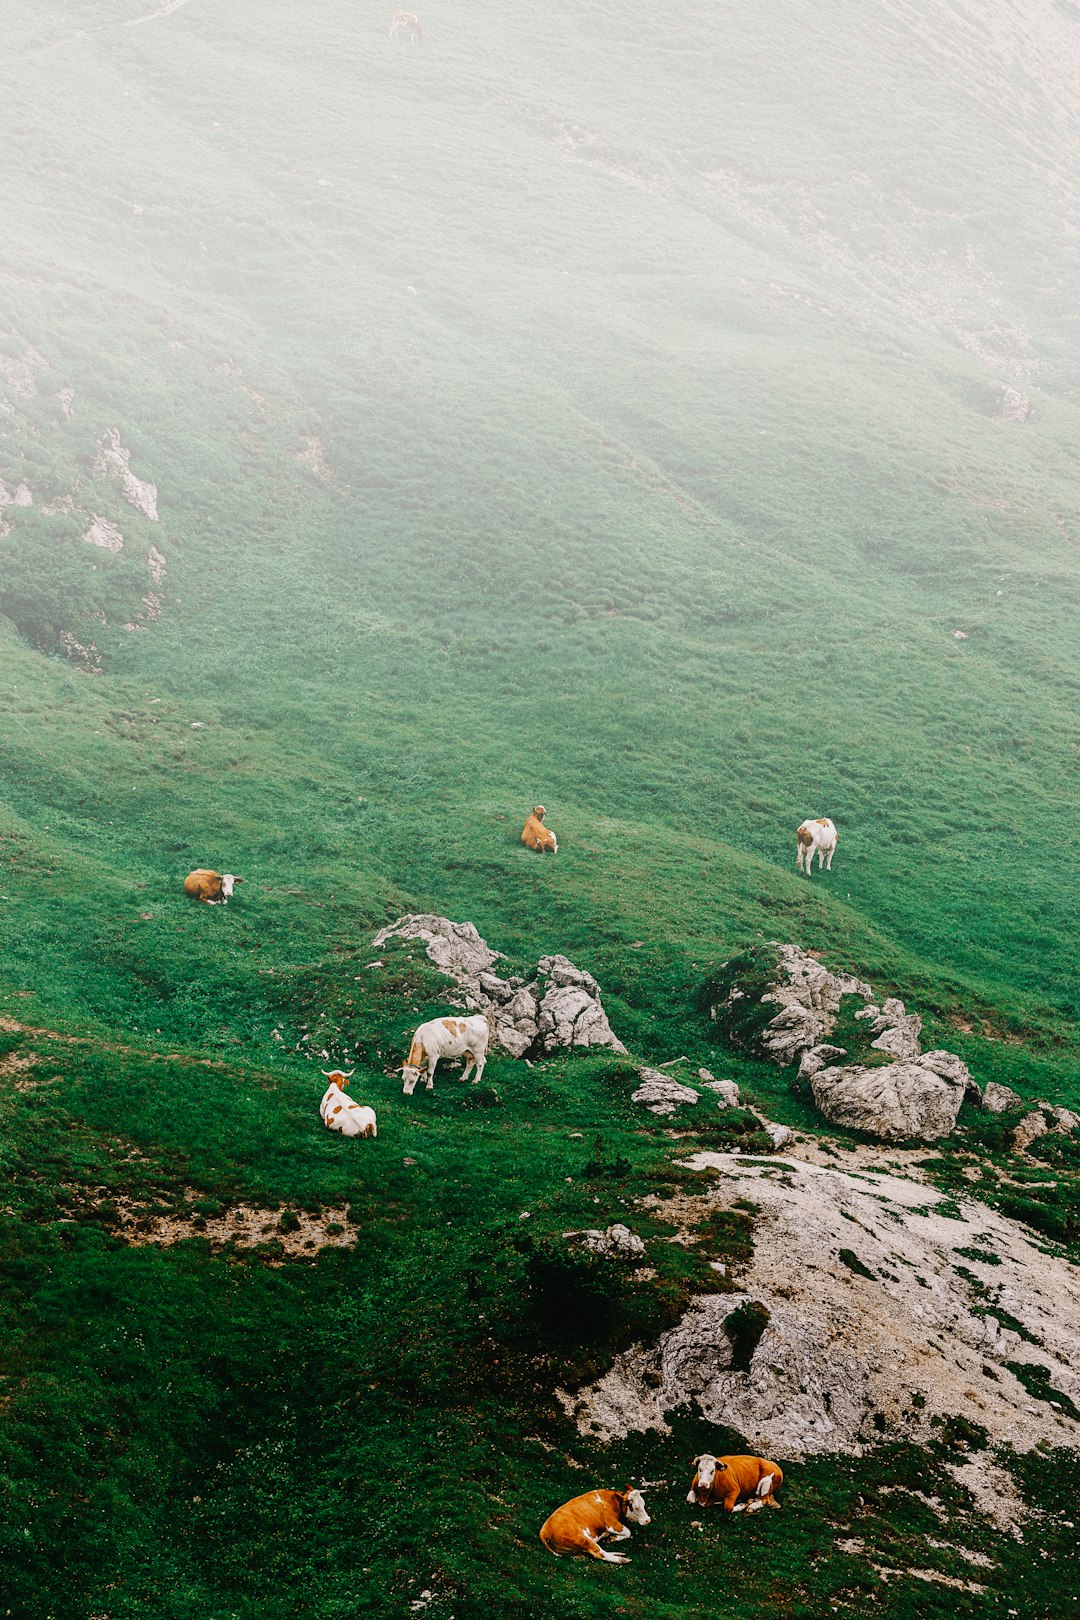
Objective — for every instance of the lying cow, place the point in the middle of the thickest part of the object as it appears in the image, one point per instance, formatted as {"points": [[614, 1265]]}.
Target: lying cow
{"points": [[727, 1480], [212, 887], [577, 1528], [815, 838], [341, 1113], [445, 1038], [536, 835]]}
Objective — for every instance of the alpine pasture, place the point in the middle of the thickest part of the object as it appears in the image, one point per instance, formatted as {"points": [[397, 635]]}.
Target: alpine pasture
{"points": [[668, 417]]}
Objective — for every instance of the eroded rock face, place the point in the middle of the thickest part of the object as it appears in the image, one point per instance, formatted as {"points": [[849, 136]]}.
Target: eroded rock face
{"points": [[916, 1094], [1000, 1098], [560, 1008], [894, 1100], [852, 1353], [617, 1243]]}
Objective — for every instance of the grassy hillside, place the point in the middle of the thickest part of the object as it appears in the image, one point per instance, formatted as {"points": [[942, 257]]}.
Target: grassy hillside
{"points": [[601, 407]]}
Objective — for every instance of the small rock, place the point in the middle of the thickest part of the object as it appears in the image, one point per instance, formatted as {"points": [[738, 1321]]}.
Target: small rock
{"points": [[998, 1098], [1031, 1126], [820, 1057], [727, 1093], [617, 1243], [779, 1135], [662, 1095]]}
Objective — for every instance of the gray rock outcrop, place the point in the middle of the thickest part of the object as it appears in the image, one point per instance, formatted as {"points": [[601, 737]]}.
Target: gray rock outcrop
{"points": [[915, 1094], [891, 1100], [661, 1094], [1000, 1098], [560, 1008], [617, 1243]]}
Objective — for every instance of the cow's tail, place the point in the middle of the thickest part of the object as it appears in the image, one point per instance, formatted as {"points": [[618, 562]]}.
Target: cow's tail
{"points": [[765, 1485]]}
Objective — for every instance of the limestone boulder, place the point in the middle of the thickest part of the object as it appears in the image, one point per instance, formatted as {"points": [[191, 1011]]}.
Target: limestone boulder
{"points": [[893, 1101], [617, 1243], [661, 1094], [999, 1099]]}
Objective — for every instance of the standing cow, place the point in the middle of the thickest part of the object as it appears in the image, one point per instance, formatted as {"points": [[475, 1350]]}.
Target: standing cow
{"points": [[444, 1038], [213, 887], [815, 838]]}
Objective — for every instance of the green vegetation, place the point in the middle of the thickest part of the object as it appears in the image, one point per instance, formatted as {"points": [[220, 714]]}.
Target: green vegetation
{"points": [[595, 406]]}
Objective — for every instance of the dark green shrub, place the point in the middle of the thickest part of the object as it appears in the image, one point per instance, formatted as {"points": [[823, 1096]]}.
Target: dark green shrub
{"points": [[744, 1327]]}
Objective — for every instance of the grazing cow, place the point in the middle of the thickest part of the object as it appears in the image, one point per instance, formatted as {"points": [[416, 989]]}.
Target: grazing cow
{"points": [[815, 838], [341, 1113], [406, 22], [577, 1528], [725, 1480], [444, 1038], [536, 835], [212, 887]]}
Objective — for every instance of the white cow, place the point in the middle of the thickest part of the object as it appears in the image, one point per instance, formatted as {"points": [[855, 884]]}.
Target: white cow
{"points": [[340, 1113], [815, 838], [444, 1038]]}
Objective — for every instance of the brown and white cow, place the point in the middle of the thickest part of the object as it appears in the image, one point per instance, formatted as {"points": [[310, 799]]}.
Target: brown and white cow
{"points": [[340, 1112], [815, 838], [213, 887], [406, 22], [445, 1038], [577, 1528], [536, 835], [727, 1481]]}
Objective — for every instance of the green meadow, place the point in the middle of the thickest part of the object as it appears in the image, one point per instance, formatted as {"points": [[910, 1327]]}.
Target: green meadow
{"points": [[599, 407]]}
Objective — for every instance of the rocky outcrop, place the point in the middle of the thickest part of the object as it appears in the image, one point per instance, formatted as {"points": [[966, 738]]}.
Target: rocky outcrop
{"points": [[879, 1319], [915, 1093], [661, 1094], [891, 1100], [1012, 405], [999, 1099], [113, 459], [559, 1008], [617, 1243]]}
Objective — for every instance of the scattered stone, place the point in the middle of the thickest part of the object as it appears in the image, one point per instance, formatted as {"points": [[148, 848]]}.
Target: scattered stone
{"points": [[727, 1092], [1000, 1098], [113, 458], [1031, 1126], [1012, 405], [821, 1057], [780, 1136], [617, 1243], [662, 1095], [104, 534]]}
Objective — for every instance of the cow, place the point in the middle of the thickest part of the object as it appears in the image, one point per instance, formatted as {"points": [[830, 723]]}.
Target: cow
{"points": [[815, 837], [536, 835], [444, 1038], [406, 22], [213, 887], [726, 1480], [577, 1528], [341, 1113]]}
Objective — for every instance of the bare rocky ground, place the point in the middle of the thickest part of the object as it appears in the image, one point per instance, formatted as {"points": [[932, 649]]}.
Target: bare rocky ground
{"points": [[891, 1308]]}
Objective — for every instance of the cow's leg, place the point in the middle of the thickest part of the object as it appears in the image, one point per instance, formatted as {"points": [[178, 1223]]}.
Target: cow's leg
{"points": [[594, 1550], [755, 1505], [467, 1070], [480, 1061], [828, 859], [770, 1501], [622, 1534], [432, 1065]]}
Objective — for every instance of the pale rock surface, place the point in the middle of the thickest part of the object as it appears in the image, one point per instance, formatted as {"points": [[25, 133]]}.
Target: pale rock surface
{"points": [[1031, 1126], [843, 1353], [661, 1094], [104, 534], [820, 1057], [113, 459], [727, 1092], [998, 1098], [893, 1100], [617, 1243]]}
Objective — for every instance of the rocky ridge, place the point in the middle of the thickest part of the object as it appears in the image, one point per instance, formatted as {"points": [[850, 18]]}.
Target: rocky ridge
{"points": [[558, 1007]]}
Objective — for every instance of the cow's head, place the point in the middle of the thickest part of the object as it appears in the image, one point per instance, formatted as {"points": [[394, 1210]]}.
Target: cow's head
{"points": [[634, 1507], [338, 1077], [707, 1467], [539, 812], [228, 883], [410, 1074]]}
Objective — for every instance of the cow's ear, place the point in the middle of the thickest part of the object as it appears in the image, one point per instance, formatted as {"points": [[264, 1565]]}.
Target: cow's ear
{"points": [[695, 1460], [238, 880]]}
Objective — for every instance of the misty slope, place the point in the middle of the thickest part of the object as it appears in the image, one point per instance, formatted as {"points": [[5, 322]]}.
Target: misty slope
{"points": [[667, 416]]}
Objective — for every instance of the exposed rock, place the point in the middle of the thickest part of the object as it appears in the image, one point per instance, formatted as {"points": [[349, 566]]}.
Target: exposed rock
{"points": [[19, 496], [113, 458], [560, 1008], [1031, 1126], [891, 1100], [156, 564], [86, 656], [820, 1057], [60, 507], [18, 372], [617, 1243], [999, 1098], [1065, 1119], [727, 1092], [1012, 405], [779, 1135], [104, 534], [662, 1095], [914, 1095], [850, 1355]]}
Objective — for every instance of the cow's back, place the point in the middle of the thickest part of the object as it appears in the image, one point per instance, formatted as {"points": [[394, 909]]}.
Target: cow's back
{"points": [[564, 1530], [748, 1472], [201, 883]]}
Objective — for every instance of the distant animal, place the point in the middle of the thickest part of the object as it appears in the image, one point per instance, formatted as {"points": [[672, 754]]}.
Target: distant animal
{"points": [[342, 1113], [577, 1528], [213, 887], [406, 22], [445, 1038], [536, 835], [815, 838], [727, 1480]]}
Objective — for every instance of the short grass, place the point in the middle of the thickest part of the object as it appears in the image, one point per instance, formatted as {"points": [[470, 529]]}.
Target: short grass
{"points": [[594, 407]]}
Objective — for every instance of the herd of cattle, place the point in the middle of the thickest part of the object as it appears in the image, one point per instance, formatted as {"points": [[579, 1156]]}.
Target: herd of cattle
{"points": [[737, 1484]]}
